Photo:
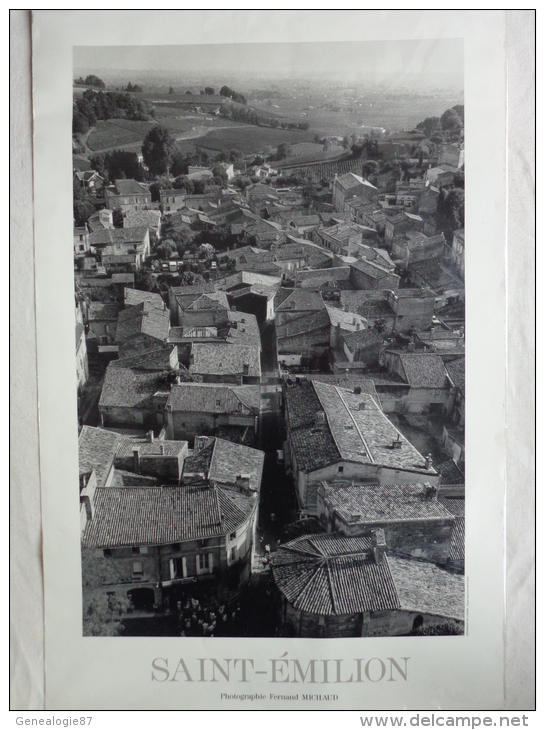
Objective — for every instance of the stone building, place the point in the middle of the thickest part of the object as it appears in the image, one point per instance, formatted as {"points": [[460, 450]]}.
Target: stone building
{"points": [[152, 543], [415, 523], [336, 432], [200, 409], [331, 586]]}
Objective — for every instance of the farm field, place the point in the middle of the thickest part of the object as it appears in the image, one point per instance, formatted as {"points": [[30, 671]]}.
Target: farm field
{"points": [[117, 133], [390, 111], [249, 139]]}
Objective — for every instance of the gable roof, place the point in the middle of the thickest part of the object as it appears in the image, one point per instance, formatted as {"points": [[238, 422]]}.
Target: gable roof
{"points": [[130, 187], [301, 300], [457, 373], [132, 516], [126, 388], [144, 318], [370, 503], [212, 398], [362, 339], [423, 370], [96, 451], [113, 236], [352, 428], [224, 358]]}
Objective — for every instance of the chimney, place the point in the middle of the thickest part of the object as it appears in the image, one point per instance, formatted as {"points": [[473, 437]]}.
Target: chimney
{"points": [[136, 458], [243, 482], [429, 461], [430, 492], [162, 449], [379, 545], [397, 443], [361, 405], [151, 437], [357, 389], [319, 418]]}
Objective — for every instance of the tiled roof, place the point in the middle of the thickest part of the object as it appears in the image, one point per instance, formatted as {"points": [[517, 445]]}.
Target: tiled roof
{"points": [[208, 300], [371, 268], [130, 187], [133, 516], [450, 472], [423, 370], [156, 358], [367, 303], [97, 311], [113, 236], [243, 329], [332, 575], [96, 449], [144, 318], [350, 180], [301, 300], [126, 388], [224, 359], [311, 322], [457, 507], [423, 587], [158, 447], [376, 503], [457, 372], [347, 432], [362, 339], [148, 218], [133, 297], [211, 398], [365, 434], [348, 321], [229, 460]]}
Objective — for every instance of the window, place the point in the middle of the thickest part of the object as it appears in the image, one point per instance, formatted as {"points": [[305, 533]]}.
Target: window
{"points": [[138, 568], [204, 563], [232, 536], [232, 556], [107, 553], [177, 568], [341, 469], [136, 551]]}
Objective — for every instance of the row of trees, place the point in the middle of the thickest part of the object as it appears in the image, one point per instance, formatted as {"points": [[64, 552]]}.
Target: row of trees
{"points": [[91, 80], [249, 115], [450, 121], [118, 164], [234, 95], [99, 105]]}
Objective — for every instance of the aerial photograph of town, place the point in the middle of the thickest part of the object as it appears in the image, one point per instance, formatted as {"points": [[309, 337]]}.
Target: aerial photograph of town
{"points": [[270, 338]]}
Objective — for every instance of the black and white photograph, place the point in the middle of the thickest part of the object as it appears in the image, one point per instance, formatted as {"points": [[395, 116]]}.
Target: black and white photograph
{"points": [[248, 323], [269, 258]]}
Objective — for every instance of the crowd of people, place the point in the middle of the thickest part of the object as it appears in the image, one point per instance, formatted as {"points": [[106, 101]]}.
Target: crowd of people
{"points": [[214, 619]]}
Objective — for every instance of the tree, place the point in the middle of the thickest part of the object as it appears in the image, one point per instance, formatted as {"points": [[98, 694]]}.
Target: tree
{"points": [[157, 150], [144, 279], [206, 251], [80, 124], [117, 217], [283, 151], [170, 90], [220, 176], [93, 80], [451, 120], [370, 167], [102, 614], [165, 249], [209, 91], [184, 183]]}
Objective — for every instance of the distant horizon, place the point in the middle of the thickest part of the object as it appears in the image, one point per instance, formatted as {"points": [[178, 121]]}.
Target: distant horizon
{"points": [[395, 64]]}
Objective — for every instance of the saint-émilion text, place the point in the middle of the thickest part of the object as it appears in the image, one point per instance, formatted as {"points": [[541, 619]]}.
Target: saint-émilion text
{"points": [[281, 670]]}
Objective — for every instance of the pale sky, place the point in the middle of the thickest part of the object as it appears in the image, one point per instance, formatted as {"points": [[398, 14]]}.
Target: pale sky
{"points": [[428, 62]]}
